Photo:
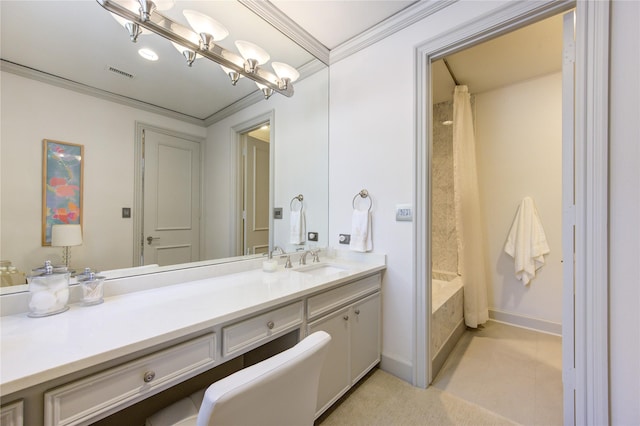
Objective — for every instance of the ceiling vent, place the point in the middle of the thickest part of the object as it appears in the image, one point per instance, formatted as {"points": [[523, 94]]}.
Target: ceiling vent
{"points": [[120, 72]]}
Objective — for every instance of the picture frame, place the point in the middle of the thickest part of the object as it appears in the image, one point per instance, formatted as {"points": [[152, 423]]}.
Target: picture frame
{"points": [[62, 185]]}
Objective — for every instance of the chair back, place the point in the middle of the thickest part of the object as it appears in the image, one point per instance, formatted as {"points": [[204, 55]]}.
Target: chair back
{"points": [[279, 391]]}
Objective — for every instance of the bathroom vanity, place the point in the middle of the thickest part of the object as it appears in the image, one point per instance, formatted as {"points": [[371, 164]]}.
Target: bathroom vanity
{"points": [[92, 361]]}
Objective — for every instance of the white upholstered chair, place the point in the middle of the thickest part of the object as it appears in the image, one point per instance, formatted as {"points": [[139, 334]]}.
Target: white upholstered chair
{"points": [[281, 390]]}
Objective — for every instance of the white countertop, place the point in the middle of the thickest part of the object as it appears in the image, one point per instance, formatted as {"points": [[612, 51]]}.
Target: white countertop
{"points": [[36, 350]]}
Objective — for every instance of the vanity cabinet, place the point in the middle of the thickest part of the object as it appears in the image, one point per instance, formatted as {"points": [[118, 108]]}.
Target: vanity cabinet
{"points": [[12, 414], [99, 395], [353, 321]]}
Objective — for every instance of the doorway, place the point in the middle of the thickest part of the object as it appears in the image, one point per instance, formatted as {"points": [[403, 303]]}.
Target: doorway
{"points": [[254, 189]]}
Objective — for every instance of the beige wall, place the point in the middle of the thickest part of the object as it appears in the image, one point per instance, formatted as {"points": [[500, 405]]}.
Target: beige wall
{"points": [[519, 151], [33, 111]]}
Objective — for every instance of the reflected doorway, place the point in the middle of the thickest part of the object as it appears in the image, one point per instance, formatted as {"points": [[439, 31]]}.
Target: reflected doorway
{"points": [[254, 188]]}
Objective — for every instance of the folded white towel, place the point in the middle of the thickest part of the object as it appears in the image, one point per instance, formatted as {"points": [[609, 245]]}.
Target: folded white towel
{"points": [[361, 231], [297, 227], [527, 242]]}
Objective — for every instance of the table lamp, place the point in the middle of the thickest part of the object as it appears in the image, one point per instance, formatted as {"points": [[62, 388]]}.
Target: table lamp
{"points": [[66, 236]]}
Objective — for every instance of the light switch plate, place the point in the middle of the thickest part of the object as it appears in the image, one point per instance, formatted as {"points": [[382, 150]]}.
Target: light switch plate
{"points": [[277, 213], [404, 212]]}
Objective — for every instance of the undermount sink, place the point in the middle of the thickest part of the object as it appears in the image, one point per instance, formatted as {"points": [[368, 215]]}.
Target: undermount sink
{"points": [[322, 269]]}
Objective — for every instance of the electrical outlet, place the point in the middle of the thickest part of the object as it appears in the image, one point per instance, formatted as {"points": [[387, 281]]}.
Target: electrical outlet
{"points": [[277, 213], [126, 212], [312, 236], [404, 212], [344, 238]]}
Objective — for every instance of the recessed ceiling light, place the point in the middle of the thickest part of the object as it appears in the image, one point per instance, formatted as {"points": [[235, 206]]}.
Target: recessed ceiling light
{"points": [[148, 54]]}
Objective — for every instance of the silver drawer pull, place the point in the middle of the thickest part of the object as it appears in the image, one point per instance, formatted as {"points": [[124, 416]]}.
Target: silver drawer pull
{"points": [[357, 311], [149, 376], [346, 317], [270, 325]]}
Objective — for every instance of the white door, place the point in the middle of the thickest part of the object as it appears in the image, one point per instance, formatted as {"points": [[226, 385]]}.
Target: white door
{"points": [[568, 218], [256, 196], [171, 199]]}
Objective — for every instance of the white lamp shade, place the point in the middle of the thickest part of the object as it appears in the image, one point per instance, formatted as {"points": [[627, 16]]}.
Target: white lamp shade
{"points": [[285, 71], [66, 235], [202, 23], [249, 50], [164, 4]]}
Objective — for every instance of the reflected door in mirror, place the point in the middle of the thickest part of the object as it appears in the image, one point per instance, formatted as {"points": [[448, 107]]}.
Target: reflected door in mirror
{"points": [[171, 199], [256, 196]]}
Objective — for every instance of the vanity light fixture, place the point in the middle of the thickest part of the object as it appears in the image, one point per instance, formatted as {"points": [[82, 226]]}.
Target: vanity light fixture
{"points": [[207, 28], [286, 73], [200, 41], [253, 55]]}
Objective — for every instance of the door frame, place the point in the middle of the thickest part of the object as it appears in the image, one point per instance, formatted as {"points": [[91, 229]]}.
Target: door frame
{"points": [[591, 183], [138, 185], [236, 178]]}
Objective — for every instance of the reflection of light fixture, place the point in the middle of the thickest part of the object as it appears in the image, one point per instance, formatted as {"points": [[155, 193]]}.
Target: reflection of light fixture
{"points": [[66, 236], [136, 6], [148, 54], [207, 28], [286, 73], [253, 55], [189, 54], [266, 91], [199, 41]]}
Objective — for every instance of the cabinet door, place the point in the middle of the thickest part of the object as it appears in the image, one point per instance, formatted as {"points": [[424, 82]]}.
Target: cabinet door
{"points": [[365, 336], [334, 380]]}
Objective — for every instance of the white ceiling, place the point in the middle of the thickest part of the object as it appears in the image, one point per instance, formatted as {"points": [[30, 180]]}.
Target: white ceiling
{"points": [[78, 40]]}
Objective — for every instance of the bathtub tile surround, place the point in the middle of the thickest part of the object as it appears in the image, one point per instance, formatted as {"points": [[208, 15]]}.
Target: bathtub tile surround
{"points": [[444, 255], [447, 316]]}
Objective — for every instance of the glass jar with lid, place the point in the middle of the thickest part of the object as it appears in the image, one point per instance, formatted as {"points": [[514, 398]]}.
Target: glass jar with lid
{"points": [[48, 290], [92, 287]]}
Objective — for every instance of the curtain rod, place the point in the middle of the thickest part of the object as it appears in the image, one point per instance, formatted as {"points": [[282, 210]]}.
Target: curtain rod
{"points": [[446, 64]]}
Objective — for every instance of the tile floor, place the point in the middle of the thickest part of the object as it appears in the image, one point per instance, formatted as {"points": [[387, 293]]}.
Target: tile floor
{"points": [[514, 372]]}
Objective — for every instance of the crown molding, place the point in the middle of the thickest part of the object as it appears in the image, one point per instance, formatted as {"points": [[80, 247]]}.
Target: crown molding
{"points": [[270, 13], [408, 16]]}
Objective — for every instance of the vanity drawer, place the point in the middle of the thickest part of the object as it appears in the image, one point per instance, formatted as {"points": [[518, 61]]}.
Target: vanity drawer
{"points": [[102, 394], [255, 331], [333, 299], [12, 414]]}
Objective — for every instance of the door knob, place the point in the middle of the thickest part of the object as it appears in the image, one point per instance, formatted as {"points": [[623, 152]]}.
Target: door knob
{"points": [[150, 239]]}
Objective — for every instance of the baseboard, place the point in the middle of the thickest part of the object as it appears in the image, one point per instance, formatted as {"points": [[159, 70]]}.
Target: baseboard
{"points": [[401, 369], [523, 321]]}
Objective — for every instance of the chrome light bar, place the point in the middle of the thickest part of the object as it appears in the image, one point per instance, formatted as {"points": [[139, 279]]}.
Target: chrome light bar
{"points": [[157, 23]]}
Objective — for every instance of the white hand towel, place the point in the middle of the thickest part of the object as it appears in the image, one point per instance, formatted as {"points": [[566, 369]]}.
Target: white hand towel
{"points": [[527, 242], [297, 227], [361, 231]]}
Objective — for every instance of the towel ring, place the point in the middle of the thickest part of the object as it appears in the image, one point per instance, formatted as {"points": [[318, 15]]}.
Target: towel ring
{"points": [[363, 194], [298, 197]]}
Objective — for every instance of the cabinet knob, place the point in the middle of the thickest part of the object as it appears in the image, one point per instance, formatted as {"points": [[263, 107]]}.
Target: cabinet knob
{"points": [[357, 311], [346, 317], [270, 325], [149, 376]]}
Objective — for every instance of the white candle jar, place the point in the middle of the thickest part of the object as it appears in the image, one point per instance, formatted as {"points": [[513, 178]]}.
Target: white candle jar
{"points": [[48, 290]]}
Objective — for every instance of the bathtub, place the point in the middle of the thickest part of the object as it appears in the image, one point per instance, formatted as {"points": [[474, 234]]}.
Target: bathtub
{"points": [[447, 316]]}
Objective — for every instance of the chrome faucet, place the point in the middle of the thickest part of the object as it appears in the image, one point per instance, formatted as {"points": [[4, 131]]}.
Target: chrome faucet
{"points": [[275, 248], [316, 255], [303, 258]]}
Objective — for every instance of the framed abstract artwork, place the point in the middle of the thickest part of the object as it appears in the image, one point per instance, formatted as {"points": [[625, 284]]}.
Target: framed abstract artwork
{"points": [[62, 185]]}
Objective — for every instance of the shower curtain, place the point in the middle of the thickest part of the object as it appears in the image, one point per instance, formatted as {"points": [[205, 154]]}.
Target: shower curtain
{"points": [[471, 260]]}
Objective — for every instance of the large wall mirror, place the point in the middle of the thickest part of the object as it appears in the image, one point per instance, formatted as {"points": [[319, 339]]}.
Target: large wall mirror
{"points": [[71, 74]]}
